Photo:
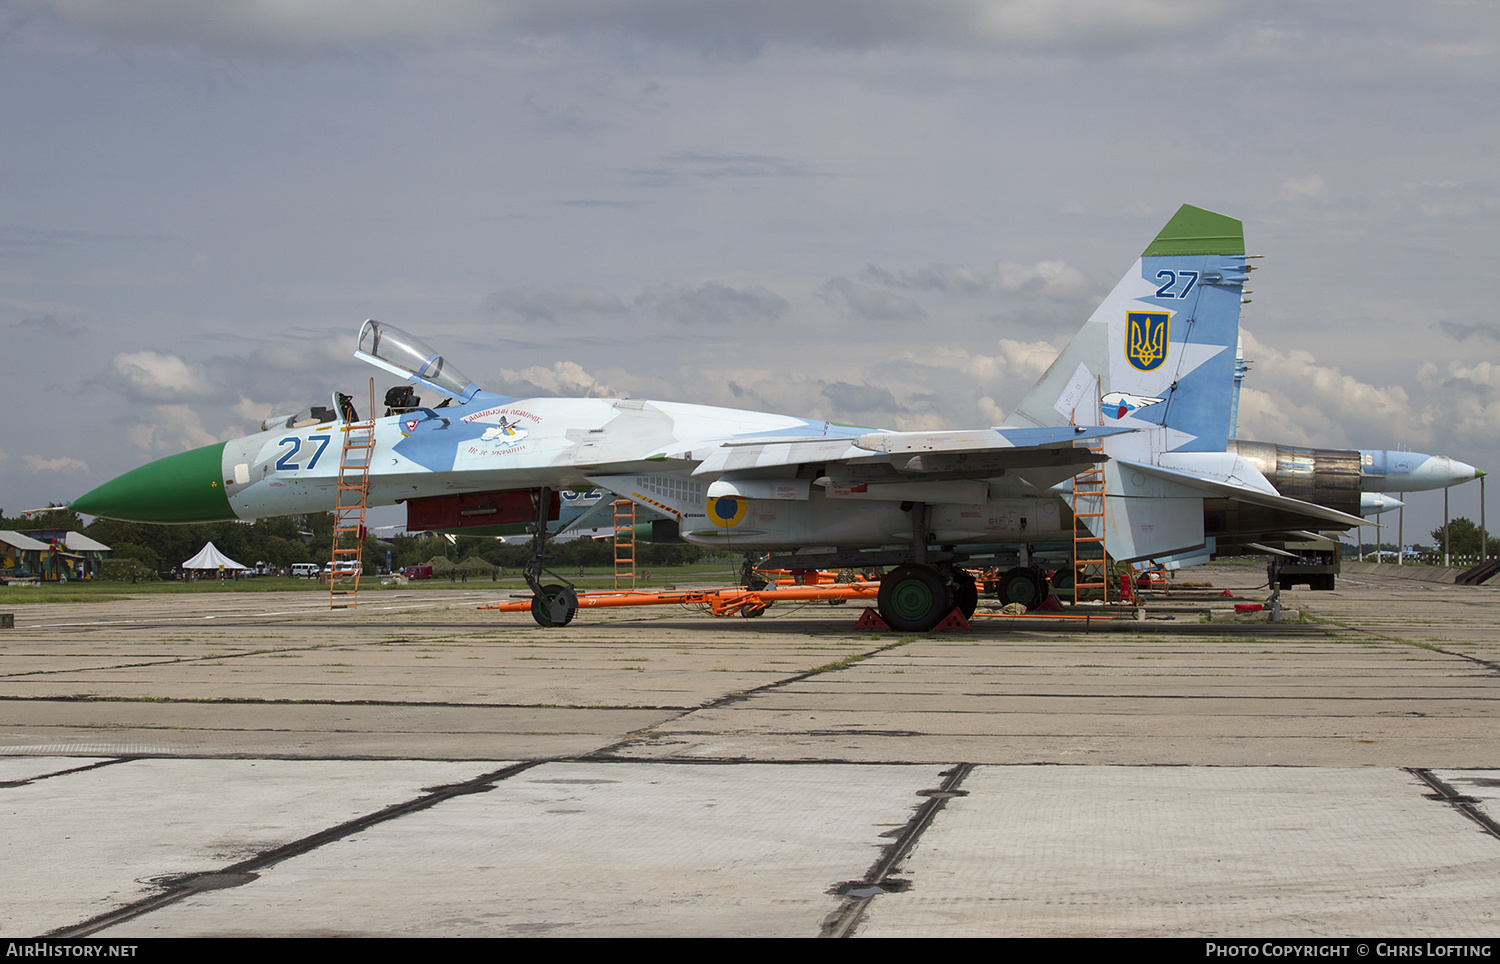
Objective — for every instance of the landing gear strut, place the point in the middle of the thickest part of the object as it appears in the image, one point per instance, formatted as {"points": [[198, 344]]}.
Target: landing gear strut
{"points": [[552, 604], [917, 596]]}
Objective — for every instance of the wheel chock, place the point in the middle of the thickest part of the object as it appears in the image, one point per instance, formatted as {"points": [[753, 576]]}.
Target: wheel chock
{"points": [[1050, 605], [954, 620], [870, 619], [1226, 594]]}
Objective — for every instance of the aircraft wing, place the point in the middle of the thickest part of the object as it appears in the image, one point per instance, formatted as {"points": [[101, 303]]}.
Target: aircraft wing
{"points": [[1037, 454]]}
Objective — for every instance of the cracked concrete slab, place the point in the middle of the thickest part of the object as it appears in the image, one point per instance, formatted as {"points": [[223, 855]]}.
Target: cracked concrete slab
{"points": [[1168, 776]]}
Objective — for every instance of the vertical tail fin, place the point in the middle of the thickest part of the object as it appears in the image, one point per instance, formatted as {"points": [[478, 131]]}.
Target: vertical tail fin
{"points": [[1160, 348]]}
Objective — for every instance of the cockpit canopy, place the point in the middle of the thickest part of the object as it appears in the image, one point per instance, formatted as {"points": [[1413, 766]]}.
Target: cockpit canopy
{"points": [[390, 348], [339, 405], [315, 415]]}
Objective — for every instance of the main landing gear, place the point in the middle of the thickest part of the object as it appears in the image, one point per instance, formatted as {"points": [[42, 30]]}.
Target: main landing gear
{"points": [[915, 598], [1023, 585], [553, 604]]}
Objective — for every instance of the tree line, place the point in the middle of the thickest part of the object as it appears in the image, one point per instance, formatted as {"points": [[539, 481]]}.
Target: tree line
{"points": [[282, 541]]}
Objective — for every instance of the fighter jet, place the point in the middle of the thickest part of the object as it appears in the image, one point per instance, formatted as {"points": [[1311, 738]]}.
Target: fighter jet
{"points": [[821, 493]]}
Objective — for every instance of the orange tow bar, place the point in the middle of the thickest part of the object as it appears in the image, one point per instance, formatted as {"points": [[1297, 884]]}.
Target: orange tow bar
{"points": [[719, 602]]}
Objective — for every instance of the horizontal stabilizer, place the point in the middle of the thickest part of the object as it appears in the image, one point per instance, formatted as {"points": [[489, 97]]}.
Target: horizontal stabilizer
{"points": [[1270, 550], [1317, 516]]}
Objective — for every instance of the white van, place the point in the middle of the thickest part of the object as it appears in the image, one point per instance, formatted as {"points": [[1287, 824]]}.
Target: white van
{"points": [[305, 570]]}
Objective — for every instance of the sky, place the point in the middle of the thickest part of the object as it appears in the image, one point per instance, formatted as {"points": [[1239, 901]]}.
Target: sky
{"points": [[886, 212]]}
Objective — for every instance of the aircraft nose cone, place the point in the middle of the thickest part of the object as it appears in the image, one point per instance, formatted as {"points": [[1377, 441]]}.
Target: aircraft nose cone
{"points": [[1442, 471], [188, 487]]}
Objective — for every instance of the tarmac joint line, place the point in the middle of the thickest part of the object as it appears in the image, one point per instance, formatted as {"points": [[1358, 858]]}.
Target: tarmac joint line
{"points": [[878, 879], [1468, 806], [648, 735], [7, 784], [181, 886]]}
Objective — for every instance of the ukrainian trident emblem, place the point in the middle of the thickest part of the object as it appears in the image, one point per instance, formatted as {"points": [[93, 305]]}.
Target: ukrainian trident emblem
{"points": [[1146, 338]]}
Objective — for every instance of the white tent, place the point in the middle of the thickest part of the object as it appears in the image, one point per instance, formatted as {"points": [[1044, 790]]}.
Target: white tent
{"points": [[210, 557]]}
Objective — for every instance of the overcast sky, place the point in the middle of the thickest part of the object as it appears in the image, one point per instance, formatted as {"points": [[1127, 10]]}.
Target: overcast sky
{"points": [[883, 212]]}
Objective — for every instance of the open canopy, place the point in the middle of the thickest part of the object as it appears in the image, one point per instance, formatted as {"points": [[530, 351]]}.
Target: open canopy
{"points": [[388, 347], [209, 557]]}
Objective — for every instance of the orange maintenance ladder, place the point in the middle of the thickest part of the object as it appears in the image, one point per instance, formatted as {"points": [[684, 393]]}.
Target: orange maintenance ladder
{"points": [[624, 544], [349, 509], [1090, 558]]}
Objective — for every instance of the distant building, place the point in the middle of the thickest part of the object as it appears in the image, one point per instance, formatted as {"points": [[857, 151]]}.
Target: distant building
{"points": [[20, 551], [52, 553]]}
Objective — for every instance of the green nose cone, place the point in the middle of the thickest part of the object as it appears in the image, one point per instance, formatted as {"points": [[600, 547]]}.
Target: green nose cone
{"points": [[179, 488]]}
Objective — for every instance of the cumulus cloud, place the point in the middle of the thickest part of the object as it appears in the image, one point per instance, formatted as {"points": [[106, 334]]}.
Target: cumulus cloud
{"points": [[927, 387], [49, 324], [715, 304], [156, 376], [715, 27], [1464, 399], [1048, 279], [869, 303], [1290, 397], [858, 399], [565, 379], [252, 410], [271, 27], [35, 464], [713, 165], [1055, 279], [1463, 332], [550, 304], [1297, 189], [167, 429], [1018, 363]]}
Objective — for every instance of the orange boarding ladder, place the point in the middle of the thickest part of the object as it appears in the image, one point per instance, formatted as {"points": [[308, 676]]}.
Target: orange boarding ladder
{"points": [[624, 544], [1090, 560], [349, 508]]}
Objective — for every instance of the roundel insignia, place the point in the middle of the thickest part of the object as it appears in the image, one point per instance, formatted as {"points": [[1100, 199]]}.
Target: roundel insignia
{"points": [[726, 512]]}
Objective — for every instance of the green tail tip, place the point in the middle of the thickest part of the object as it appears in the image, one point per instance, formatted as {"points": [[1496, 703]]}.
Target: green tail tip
{"points": [[1196, 231]]}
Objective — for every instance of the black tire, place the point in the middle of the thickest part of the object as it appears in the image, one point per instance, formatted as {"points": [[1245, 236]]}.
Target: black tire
{"points": [[1022, 585], [542, 606], [914, 598], [751, 612], [965, 593]]}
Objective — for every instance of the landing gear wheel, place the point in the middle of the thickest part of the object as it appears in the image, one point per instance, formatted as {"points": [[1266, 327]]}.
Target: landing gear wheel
{"points": [[1022, 585], [914, 598], [1063, 581], [965, 593], [556, 605]]}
